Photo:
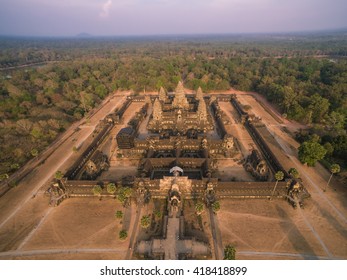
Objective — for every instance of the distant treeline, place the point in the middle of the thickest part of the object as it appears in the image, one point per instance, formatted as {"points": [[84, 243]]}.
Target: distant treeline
{"points": [[305, 76]]}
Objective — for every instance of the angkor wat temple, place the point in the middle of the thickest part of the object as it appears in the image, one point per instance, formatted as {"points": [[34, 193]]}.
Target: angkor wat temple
{"points": [[185, 132]]}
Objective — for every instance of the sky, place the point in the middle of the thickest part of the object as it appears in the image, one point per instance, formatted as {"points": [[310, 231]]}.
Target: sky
{"points": [[155, 17]]}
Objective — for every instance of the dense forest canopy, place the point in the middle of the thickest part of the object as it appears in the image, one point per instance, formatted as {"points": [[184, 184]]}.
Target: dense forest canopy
{"points": [[64, 78]]}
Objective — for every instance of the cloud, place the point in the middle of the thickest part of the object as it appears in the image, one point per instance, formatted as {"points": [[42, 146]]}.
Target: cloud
{"points": [[105, 9]]}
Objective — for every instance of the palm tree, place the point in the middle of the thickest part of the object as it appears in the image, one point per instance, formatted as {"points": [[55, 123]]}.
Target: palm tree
{"points": [[111, 188], [123, 194], [119, 214], [334, 168], [145, 221], [278, 176], [199, 208], [97, 190], [229, 252], [4, 177], [34, 152], [216, 206], [123, 234], [158, 214], [294, 173], [58, 175]]}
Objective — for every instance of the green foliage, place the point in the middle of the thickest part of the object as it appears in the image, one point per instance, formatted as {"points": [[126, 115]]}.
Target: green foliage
{"points": [[294, 172], [329, 148], [279, 175], [145, 221], [310, 152], [34, 152], [158, 214], [340, 147], [111, 188], [123, 194], [123, 234], [97, 190], [229, 252], [119, 214], [14, 166], [335, 168], [216, 206], [336, 121], [3, 177], [199, 208], [58, 175]]}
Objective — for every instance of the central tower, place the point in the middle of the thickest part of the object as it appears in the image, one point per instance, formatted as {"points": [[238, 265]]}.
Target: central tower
{"points": [[180, 101]]}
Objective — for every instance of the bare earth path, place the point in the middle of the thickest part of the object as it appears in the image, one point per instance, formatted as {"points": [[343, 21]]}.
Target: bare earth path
{"points": [[57, 251], [216, 236], [134, 228]]}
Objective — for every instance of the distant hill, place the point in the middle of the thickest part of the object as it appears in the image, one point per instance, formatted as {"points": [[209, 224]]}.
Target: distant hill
{"points": [[83, 35]]}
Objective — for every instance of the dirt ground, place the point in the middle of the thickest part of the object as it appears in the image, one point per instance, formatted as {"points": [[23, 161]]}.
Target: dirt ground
{"points": [[87, 225], [273, 230], [232, 170]]}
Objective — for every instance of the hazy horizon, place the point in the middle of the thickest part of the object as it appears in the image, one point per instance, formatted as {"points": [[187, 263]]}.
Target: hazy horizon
{"points": [[66, 18]]}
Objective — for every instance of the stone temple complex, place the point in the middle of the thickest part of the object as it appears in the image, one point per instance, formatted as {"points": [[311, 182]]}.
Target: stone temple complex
{"points": [[179, 115], [180, 144]]}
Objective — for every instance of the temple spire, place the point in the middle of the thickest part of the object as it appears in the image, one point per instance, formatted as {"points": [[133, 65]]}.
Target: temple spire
{"points": [[162, 94], [202, 112], [199, 94], [180, 101], [179, 88], [157, 110]]}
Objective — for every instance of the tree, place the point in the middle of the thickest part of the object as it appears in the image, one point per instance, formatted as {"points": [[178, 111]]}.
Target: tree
{"points": [[24, 126], [145, 221], [97, 190], [336, 121], [3, 177], [229, 252], [123, 234], [14, 166], [319, 107], [158, 214], [111, 188], [278, 176], [310, 152], [294, 173], [123, 194], [119, 214], [58, 175], [34, 152], [199, 208], [334, 168], [216, 206], [340, 147], [329, 148]]}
